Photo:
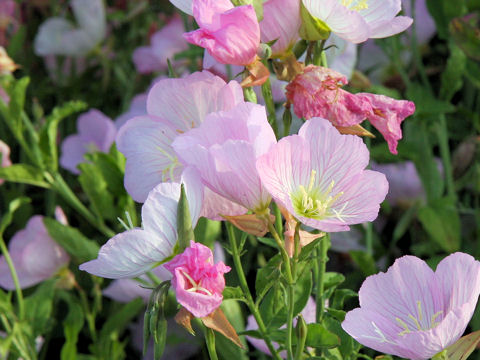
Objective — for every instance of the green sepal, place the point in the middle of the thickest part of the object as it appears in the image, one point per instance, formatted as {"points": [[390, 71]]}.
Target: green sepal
{"points": [[312, 28], [184, 221]]}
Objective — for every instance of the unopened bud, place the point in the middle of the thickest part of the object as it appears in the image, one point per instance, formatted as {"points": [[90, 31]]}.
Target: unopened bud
{"points": [[312, 28], [264, 51], [301, 333]]}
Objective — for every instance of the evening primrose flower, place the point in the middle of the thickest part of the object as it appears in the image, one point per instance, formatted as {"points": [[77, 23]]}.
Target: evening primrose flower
{"points": [[136, 251], [174, 106], [25, 247], [5, 157], [413, 312], [198, 282], [319, 177], [358, 20], [96, 132], [230, 34], [224, 150]]}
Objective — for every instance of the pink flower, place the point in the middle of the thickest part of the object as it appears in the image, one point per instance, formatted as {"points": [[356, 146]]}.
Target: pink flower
{"points": [[137, 251], [230, 34], [317, 93], [174, 106], [5, 157], [319, 177], [197, 281], [165, 43], [138, 107], [96, 132], [281, 22], [386, 116], [25, 249], [358, 20], [224, 150], [411, 311]]}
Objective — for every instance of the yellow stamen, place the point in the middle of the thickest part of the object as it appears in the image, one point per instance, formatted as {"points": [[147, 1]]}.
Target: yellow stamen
{"points": [[414, 319], [357, 5], [404, 325], [434, 319]]}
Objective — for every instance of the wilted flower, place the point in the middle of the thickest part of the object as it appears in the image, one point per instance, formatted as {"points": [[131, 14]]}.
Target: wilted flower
{"points": [[319, 177], [411, 311], [96, 132], [5, 156], [224, 149], [197, 281], [137, 251], [24, 248], [358, 20], [58, 36], [230, 34], [164, 44], [317, 93], [7, 65]]}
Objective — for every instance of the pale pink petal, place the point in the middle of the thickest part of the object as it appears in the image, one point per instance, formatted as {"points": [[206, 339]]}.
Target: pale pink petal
{"points": [[185, 5], [206, 12], [73, 149], [5, 156], [281, 22], [215, 205], [93, 126], [145, 61], [126, 290], [343, 56], [392, 27], [146, 143], [185, 102], [90, 16]]}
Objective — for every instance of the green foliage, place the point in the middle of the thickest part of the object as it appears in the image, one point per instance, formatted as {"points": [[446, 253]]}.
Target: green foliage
{"points": [[24, 174], [39, 307]]}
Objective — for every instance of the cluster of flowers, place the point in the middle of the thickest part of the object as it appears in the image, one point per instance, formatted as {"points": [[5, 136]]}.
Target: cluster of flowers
{"points": [[199, 132]]}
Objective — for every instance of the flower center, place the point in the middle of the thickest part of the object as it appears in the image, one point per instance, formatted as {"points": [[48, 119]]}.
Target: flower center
{"points": [[355, 5], [196, 287], [419, 321], [168, 171], [312, 203]]}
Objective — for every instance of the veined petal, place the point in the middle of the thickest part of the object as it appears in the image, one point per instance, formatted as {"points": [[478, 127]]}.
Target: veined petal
{"points": [[129, 254], [151, 160], [96, 127], [392, 27]]}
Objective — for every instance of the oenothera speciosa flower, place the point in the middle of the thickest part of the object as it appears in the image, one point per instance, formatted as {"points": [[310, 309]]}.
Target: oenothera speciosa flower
{"points": [[174, 106], [198, 282], [230, 34], [224, 149], [319, 176], [58, 36], [136, 251], [411, 311], [96, 132], [35, 255], [5, 157], [356, 20], [317, 92]]}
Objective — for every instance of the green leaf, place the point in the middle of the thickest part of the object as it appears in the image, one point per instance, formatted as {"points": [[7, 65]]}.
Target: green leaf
{"points": [[452, 76], [38, 307], [319, 337], [426, 105], [441, 221], [308, 249], [233, 293], [227, 350], [267, 276], [346, 341], [473, 72], [332, 279], [184, 221], [17, 102], [72, 240], [155, 322], [72, 325], [24, 174], [95, 187], [48, 133], [12, 207], [118, 321], [207, 231], [340, 296], [111, 170], [462, 349], [364, 261]]}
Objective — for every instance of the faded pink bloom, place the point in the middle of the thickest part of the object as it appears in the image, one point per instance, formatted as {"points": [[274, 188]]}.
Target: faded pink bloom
{"points": [[317, 93], [96, 132], [281, 22], [224, 150], [138, 250], [197, 281], [25, 249], [164, 44], [411, 311], [5, 157], [358, 20], [319, 177], [230, 34], [386, 116]]}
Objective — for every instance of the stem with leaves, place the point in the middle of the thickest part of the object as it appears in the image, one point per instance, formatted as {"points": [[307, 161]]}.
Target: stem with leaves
{"points": [[321, 267]]}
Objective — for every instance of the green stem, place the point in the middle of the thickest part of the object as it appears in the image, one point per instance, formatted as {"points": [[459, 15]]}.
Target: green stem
{"points": [[210, 341], [321, 263], [18, 290], [278, 219], [19, 342], [319, 54], [442, 133], [244, 286], [64, 190], [88, 314]]}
